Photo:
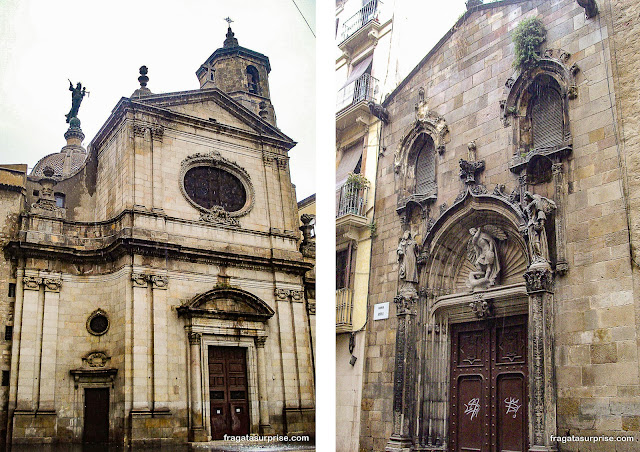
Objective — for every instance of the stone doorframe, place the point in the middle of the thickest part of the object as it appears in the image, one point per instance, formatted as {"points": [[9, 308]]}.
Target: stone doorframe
{"points": [[421, 399], [227, 317]]}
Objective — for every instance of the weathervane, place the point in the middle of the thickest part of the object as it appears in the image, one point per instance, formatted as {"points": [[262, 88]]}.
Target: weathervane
{"points": [[228, 19]]}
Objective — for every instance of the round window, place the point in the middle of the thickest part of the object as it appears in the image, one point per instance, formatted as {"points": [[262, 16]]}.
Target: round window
{"points": [[208, 186], [98, 323]]}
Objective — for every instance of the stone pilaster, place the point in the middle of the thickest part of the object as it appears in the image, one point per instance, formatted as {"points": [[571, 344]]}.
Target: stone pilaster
{"points": [[197, 431], [562, 265], [403, 400], [29, 347], [542, 415], [265, 426], [159, 285], [52, 286], [140, 321]]}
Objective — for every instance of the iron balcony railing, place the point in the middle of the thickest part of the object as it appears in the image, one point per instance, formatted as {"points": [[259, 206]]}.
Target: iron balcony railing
{"points": [[364, 15], [361, 89], [344, 307], [351, 199]]}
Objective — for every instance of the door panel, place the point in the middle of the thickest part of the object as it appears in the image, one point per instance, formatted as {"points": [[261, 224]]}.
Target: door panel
{"points": [[96, 415], [489, 385], [228, 391]]}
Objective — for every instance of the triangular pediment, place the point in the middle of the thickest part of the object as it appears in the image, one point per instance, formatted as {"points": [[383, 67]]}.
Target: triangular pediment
{"points": [[214, 106], [227, 303]]}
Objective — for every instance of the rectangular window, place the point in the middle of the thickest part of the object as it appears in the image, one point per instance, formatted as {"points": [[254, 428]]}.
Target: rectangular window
{"points": [[5, 378], [59, 199], [344, 268], [12, 290], [8, 332]]}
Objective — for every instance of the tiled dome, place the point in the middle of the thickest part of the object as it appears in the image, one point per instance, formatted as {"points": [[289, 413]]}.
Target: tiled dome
{"points": [[64, 163]]}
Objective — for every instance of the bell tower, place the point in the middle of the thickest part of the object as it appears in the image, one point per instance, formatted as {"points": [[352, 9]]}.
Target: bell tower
{"points": [[241, 73]]}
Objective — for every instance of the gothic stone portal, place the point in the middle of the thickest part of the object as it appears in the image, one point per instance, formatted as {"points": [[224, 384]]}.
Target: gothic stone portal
{"points": [[489, 385]]}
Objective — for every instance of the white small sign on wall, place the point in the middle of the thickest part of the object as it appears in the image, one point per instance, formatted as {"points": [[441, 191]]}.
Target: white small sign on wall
{"points": [[381, 311]]}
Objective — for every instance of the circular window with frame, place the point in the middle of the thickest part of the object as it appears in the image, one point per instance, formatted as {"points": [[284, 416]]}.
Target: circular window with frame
{"points": [[210, 182], [98, 323]]}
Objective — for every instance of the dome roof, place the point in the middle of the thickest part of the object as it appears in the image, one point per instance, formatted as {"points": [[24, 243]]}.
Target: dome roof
{"points": [[65, 163]]}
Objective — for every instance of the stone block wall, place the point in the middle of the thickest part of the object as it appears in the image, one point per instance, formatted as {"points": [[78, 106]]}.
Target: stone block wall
{"points": [[595, 302]]}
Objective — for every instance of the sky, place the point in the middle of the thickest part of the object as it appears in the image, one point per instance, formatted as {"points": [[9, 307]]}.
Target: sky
{"points": [[103, 44]]}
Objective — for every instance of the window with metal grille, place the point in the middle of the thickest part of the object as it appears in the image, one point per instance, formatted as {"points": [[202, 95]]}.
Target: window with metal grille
{"points": [[547, 119], [425, 167], [8, 332], [12, 290]]}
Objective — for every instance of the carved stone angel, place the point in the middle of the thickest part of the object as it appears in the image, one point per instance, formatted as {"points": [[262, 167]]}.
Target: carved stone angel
{"points": [[482, 251]]}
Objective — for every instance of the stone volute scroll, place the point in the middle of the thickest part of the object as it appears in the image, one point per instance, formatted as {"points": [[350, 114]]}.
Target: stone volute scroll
{"points": [[537, 209], [482, 251]]}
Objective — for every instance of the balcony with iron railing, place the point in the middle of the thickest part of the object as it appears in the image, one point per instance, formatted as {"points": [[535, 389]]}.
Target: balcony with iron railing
{"points": [[361, 90], [344, 310], [351, 199], [364, 16]]}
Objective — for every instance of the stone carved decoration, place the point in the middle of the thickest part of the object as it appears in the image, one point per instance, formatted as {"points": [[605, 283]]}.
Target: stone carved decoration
{"points": [[539, 280], [481, 308], [194, 338], [294, 294], [31, 282], [139, 279], [215, 160], [46, 203], [308, 245], [159, 281], [217, 215], [482, 251], [155, 131], [470, 170], [379, 112], [52, 284], [278, 161], [260, 341], [96, 359], [590, 7], [537, 208]]}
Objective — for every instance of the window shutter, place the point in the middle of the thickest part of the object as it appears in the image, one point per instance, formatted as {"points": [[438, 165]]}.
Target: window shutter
{"points": [[547, 120], [425, 171]]}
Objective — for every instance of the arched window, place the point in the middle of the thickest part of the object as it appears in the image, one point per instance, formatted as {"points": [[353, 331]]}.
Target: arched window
{"points": [[253, 80], [547, 118], [425, 165]]}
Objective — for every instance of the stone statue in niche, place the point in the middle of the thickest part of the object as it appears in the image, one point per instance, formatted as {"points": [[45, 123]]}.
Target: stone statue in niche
{"points": [[482, 251], [537, 209], [408, 260], [407, 257]]}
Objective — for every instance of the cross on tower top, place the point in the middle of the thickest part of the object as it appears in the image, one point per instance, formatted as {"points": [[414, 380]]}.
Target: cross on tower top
{"points": [[228, 19]]}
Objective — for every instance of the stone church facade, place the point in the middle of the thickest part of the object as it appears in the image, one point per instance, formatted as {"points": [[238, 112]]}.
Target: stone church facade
{"points": [[506, 234], [156, 287]]}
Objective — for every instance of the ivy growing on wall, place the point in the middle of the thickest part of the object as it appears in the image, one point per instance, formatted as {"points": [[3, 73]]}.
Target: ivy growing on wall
{"points": [[527, 37]]}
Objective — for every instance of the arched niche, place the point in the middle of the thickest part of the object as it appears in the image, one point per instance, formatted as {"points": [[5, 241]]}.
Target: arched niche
{"points": [[522, 91], [415, 160]]}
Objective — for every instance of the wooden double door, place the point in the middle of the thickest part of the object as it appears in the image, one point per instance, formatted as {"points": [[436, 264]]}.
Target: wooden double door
{"points": [[228, 391], [489, 386], [96, 415]]}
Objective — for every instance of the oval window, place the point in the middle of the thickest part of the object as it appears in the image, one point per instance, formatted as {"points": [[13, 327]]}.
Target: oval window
{"points": [[98, 323], [208, 186]]}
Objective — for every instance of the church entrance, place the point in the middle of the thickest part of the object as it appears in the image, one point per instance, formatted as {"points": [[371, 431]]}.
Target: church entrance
{"points": [[489, 385], [96, 415], [228, 391]]}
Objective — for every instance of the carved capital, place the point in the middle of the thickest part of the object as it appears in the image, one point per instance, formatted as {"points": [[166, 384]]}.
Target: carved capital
{"points": [[260, 341], [405, 304], [139, 279], [31, 282], [282, 294], [539, 280], [159, 281], [297, 295], [52, 284], [194, 338]]}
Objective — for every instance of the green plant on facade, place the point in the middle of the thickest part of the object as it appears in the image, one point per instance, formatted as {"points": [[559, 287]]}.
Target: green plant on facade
{"points": [[527, 38], [358, 181]]}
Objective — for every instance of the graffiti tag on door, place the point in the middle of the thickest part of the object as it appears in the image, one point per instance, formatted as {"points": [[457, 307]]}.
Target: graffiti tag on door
{"points": [[473, 407]]}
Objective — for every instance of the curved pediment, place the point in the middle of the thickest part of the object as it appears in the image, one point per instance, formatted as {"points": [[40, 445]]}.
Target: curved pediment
{"points": [[227, 303]]}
